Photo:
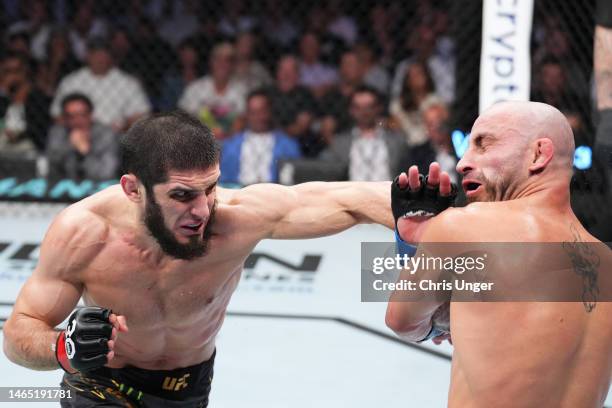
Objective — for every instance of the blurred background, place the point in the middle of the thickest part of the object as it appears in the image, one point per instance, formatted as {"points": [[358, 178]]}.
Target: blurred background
{"points": [[292, 91]]}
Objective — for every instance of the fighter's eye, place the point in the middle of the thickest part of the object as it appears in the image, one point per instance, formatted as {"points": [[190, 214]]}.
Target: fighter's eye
{"points": [[180, 195]]}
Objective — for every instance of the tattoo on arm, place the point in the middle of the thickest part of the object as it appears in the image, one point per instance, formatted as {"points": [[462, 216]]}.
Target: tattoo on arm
{"points": [[585, 262]]}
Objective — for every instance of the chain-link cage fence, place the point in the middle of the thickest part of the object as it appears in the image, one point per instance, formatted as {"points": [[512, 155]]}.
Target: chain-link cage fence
{"points": [[76, 74]]}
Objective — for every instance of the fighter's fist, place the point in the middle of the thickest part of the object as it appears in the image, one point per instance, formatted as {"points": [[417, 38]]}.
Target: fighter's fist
{"points": [[88, 340], [415, 198]]}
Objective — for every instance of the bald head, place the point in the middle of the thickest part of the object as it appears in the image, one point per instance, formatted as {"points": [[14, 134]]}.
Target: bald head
{"points": [[533, 121]]}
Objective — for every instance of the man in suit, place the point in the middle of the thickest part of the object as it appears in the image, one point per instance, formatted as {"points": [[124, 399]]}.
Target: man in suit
{"points": [[370, 152]]}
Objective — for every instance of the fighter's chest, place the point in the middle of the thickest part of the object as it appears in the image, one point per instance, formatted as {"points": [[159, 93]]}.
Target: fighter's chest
{"points": [[146, 290]]}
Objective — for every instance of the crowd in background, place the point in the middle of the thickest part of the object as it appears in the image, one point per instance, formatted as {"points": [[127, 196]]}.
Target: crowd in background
{"points": [[367, 85]]}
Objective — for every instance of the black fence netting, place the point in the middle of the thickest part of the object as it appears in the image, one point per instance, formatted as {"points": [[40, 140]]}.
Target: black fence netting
{"points": [[289, 89]]}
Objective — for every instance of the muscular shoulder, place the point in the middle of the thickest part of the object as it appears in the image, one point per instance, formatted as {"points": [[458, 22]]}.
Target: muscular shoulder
{"points": [[261, 199], [463, 224], [73, 240]]}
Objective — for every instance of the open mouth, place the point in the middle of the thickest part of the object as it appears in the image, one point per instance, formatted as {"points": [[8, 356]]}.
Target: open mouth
{"points": [[471, 187], [192, 228]]}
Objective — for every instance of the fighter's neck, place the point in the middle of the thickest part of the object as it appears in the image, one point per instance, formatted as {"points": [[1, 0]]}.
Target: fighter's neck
{"points": [[554, 195]]}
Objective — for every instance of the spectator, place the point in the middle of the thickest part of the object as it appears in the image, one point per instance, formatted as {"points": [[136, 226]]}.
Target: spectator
{"points": [[251, 72], [217, 99], [188, 68], [251, 156], [36, 26], [374, 75], [118, 97], [314, 74], [437, 146], [59, 61], [121, 44], [294, 107], [277, 28], [183, 21], [234, 20], [370, 152], [551, 86], [339, 23], [406, 109], [335, 104], [149, 58], [85, 26], [81, 148], [439, 56], [23, 107], [381, 28]]}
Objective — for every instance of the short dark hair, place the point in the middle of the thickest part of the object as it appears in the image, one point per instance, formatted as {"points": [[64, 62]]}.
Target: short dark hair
{"points": [[263, 92], [164, 142], [77, 96], [378, 97]]}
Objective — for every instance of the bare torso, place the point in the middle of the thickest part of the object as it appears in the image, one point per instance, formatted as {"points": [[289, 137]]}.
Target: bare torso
{"points": [[529, 354], [173, 308]]}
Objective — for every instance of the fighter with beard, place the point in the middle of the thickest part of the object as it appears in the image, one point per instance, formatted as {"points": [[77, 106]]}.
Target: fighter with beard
{"points": [[516, 177], [164, 250]]}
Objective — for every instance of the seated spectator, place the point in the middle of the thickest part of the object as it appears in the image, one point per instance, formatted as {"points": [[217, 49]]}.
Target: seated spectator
{"points": [[149, 58], [552, 86], [438, 145], [335, 104], [371, 152], [235, 19], [294, 107], [277, 27], [438, 53], [251, 156], [59, 61], [217, 99], [187, 69], [250, 71], [85, 26], [35, 25], [118, 97], [314, 74], [81, 148], [374, 74], [23, 107], [406, 109]]}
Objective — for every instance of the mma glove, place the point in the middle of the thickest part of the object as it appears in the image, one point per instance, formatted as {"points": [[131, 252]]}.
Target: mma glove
{"points": [[425, 201], [84, 344]]}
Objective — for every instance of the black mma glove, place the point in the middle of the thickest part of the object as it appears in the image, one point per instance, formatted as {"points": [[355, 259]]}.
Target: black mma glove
{"points": [[84, 344], [426, 201]]}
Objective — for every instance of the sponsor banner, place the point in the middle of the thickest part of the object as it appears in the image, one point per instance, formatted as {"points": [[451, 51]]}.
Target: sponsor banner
{"points": [[505, 63]]}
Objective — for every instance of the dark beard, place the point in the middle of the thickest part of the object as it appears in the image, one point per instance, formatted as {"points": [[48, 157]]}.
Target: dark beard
{"points": [[198, 244]]}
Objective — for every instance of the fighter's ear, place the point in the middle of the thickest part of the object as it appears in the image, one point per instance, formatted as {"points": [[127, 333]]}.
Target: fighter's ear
{"points": [[131, 187], [542, 153]]}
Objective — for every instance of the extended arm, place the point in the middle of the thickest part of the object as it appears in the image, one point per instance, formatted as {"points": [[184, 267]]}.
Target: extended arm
{"points": [[315, 209]]}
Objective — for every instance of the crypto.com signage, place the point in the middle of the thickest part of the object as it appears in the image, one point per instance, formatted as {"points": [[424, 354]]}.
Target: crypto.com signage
{"points": [[505, 63]]}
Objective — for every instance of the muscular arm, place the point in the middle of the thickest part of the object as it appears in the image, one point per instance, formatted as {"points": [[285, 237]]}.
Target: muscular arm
{"points": [[412, 320], [315, 209], [52, 291]]}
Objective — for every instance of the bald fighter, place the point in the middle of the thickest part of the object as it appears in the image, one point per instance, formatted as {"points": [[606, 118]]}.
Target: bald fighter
{"points": [[516, 174], [156, 260]]}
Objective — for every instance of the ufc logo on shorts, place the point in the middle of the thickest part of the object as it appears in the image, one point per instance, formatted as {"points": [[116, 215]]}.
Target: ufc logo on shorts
{"points": [[175, 384]]}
